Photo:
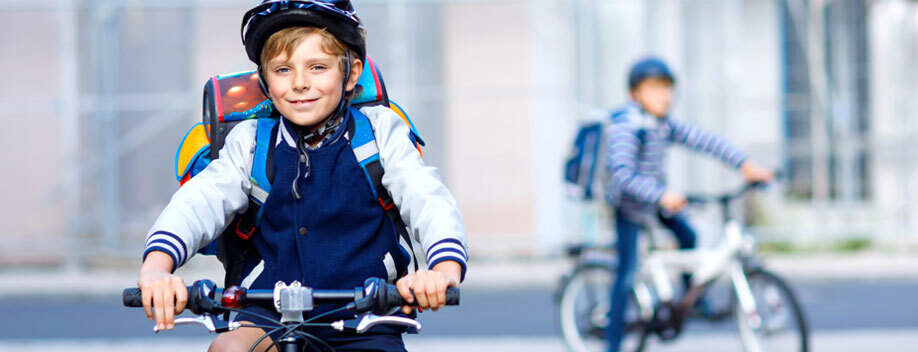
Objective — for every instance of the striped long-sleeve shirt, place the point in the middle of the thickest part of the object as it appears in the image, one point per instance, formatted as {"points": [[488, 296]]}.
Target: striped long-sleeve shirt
{"points": [[637, 144]]}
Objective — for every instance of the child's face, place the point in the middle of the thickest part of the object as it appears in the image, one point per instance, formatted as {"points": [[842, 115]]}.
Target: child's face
{"points": [[306, 87], [654, 94]]}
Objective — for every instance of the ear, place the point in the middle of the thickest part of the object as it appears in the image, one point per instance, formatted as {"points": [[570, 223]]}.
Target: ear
{"points": [[356, 71]]}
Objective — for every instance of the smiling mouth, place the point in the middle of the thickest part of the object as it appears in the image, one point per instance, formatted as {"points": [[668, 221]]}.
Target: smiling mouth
{"points": [[302, 103]]}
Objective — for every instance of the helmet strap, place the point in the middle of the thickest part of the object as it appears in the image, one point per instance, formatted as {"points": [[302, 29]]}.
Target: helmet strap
{"points": [[345, 102], [262, 84]]}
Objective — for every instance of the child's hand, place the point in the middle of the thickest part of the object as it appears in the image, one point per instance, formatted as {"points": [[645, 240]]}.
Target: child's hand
{"points": [[165, 292], [672, 202], [754, 173], [429, 286]]}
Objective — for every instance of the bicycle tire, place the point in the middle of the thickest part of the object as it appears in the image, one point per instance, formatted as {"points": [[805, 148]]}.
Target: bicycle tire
{"points": [[583, 314], [775, 300]]}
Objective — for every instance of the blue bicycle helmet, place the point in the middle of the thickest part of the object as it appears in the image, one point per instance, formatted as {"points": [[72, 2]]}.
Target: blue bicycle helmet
{"points": [[649, 67], [338, 17]]}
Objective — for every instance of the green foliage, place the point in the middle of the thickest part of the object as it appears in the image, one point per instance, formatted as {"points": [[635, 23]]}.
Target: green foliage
{"points": [[852, 244]]}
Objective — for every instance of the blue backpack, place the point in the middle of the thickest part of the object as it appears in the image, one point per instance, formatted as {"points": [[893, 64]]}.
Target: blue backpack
{"points": [[586, 156], [233, 98], [582, 162]]}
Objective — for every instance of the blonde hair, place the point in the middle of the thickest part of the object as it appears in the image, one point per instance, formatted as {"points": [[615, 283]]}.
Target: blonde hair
{"points": [[285, 40]]}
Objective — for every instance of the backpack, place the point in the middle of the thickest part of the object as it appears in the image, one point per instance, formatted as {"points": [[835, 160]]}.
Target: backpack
{"points": [[232, 98], [586, 159]]}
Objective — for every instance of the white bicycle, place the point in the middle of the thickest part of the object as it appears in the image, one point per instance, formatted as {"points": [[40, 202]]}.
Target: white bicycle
{"points": [[767, 314]]}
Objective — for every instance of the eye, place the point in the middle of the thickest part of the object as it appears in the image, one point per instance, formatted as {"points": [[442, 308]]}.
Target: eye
{"points": [[319, 67], [281, 70]]}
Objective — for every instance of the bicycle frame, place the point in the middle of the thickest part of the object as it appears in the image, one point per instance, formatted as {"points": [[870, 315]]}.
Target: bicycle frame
{"points": [[653, 285]]}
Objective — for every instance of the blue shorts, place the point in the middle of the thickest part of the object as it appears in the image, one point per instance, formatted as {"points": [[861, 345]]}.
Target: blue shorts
{"points": [[380, 338]]}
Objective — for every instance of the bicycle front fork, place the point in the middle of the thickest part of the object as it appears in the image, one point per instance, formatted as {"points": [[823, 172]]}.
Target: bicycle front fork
{"points": [[744, 295]]}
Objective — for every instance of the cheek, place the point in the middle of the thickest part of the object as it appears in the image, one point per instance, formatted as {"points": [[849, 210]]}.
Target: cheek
{"points": [[273, 90], [659, 98]]}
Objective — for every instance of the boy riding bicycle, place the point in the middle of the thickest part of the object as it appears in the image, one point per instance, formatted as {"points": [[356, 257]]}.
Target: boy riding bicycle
{"points": [[320, 224], [637, 138]]}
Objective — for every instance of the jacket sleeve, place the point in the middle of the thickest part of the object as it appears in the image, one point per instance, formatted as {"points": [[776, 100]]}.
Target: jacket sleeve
{"points": [[700, 140], [426, 206], [623, 147], [199, 211]]}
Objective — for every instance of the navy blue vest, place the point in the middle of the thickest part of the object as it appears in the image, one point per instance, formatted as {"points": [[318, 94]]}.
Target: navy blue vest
{"points": [[336, 235]]}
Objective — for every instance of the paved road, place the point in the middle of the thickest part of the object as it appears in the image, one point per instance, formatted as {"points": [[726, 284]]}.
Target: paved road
{"points": [[838, 312]]}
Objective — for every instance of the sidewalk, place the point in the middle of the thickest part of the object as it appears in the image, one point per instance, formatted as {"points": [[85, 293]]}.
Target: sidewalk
{"points": [[484, 274]]}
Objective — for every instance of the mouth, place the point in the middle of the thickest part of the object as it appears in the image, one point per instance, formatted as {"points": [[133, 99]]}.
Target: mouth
{"points": [[304, 103]]}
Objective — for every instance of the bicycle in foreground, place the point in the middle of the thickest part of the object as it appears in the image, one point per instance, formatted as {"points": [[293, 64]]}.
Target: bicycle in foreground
{"points": [[766, 312], [370, 304]]}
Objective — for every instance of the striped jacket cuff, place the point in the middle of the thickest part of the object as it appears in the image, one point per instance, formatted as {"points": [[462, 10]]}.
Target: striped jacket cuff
{"points": [[656, 194], [737, 159], [170, 244], [448, 249]]}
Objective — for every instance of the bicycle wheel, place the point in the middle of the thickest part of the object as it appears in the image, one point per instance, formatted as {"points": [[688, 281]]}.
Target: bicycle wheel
{"points": [[781, 324], [584, 311]]}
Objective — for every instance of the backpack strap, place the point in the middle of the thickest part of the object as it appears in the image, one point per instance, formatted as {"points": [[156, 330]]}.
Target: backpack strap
{"points": [[258, 176], [234, 247], [363, 142]]}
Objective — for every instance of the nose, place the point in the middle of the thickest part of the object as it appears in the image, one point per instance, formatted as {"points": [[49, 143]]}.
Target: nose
{"points": [[301, 81]]}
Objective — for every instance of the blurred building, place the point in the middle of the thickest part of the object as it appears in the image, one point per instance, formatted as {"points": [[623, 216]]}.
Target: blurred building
{"points": [[98, 93]]}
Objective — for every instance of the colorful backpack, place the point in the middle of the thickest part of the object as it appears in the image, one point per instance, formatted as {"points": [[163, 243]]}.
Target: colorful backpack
{"points": [[233, 98]]}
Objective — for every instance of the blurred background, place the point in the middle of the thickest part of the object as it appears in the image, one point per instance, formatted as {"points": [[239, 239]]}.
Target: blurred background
{"points": [[97, 94]]}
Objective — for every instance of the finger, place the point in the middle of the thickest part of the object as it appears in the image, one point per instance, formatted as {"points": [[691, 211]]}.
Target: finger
{"points": [[441, 292], [146, 296], [420, 285], [168, 306], [158, 308], [407, 309], [181, 295], [431, 292], [404, 288]]}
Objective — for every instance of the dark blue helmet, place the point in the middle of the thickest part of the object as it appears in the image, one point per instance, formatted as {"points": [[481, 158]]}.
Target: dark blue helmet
{"points": [[646, 68], [338, 17]]}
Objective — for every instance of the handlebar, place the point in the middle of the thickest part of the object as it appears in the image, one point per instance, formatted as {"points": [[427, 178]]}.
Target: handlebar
{"points": [[726, 198], [375, 296], [702, 199]]}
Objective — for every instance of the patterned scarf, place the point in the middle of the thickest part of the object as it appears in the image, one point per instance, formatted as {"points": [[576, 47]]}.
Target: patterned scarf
{"points": [[325, 133]]}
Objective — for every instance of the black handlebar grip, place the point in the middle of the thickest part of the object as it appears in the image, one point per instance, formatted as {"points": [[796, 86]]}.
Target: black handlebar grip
{"points": [[452, 296], [131, 297], [391, 298]]}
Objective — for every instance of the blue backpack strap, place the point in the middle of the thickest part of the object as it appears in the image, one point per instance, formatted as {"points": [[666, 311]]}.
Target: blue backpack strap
{"points": [[366, 150], [261, 184], [363, 143], [621, 116], [263, 143]]}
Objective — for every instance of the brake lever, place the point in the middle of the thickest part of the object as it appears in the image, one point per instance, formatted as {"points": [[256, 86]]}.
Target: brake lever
{"points": [[370, 320], [207, 321]]}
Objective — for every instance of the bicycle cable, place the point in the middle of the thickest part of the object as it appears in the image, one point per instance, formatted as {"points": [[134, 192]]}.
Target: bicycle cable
{"points": [[305, 335], [258, 315], [295, 328]]}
